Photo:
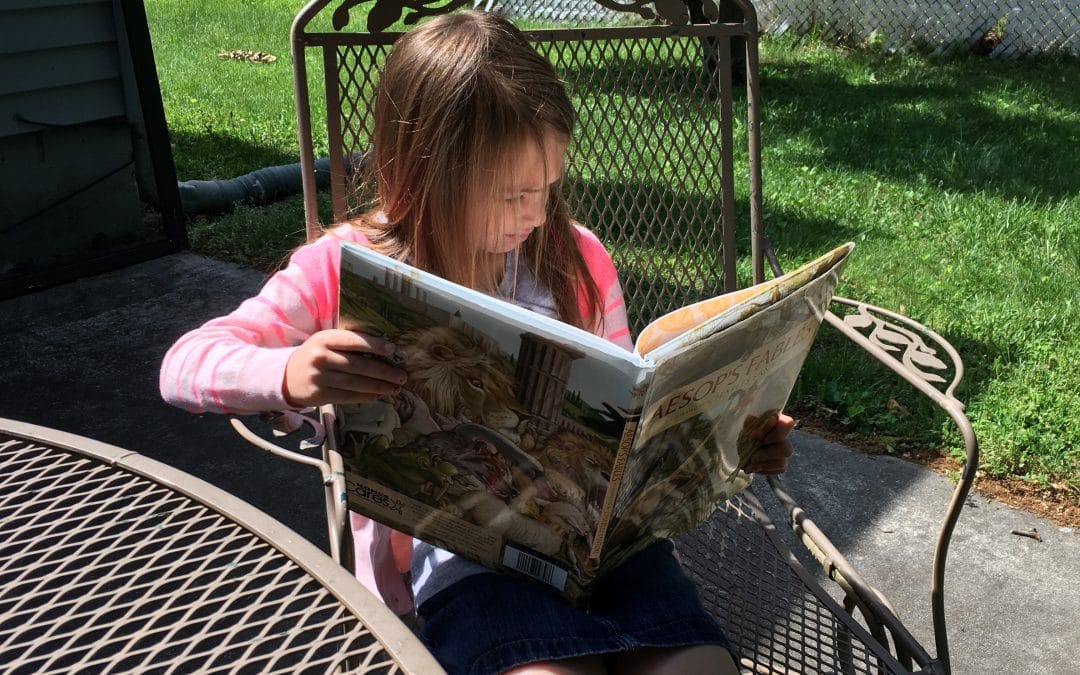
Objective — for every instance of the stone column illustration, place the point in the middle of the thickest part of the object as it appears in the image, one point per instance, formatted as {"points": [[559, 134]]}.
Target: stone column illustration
{"points": [[543, 371]]}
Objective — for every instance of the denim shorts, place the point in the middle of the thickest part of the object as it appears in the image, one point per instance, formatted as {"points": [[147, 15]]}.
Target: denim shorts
{"points": [[489, 622]]}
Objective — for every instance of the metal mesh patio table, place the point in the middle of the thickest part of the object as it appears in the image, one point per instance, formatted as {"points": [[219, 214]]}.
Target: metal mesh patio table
{"points": [[113, 562]]}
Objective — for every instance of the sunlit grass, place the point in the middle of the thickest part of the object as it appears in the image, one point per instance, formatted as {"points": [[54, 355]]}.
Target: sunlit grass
{"points": [[958, 180]]}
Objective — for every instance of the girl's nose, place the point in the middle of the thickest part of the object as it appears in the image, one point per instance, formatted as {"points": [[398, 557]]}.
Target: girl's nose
{"points": [[535, 211]]}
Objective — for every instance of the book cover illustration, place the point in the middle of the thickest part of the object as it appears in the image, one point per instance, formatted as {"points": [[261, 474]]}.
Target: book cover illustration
{"points": [[497, 447]]}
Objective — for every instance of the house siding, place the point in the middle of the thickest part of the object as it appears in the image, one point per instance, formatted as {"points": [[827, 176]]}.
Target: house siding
{"points": [[67, 175], [60, 65]]}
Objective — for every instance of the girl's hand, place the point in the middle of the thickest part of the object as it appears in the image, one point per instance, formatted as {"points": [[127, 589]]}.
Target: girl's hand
{"points": [[341, 366], [772, 457]]}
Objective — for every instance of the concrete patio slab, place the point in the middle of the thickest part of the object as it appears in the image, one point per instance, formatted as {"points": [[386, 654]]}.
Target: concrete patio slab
{"points": [[84, 358]]}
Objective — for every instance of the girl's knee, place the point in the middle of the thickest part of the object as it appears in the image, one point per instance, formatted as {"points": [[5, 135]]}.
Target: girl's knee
{"points": [[676, 661], [582, 665]]}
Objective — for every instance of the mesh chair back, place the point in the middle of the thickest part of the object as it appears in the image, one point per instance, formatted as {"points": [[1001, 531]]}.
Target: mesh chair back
{"points": [[651, 166]]}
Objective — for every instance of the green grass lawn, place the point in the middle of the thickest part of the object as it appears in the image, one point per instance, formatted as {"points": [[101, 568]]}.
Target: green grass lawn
{"points": [[958, 179]]}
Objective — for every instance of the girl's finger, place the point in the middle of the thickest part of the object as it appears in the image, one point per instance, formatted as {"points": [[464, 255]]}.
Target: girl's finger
{"points": [[353, 341], [770, 459], [767, 469], [780, 450], [367, 366], [358, 384], [340, 396], [780, 431]]}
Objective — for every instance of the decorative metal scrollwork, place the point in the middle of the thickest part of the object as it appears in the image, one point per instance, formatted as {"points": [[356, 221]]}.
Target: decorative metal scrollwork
{"points": [[674, 12], [384, 13], [671, 11], [891, 337], [907, 341]]}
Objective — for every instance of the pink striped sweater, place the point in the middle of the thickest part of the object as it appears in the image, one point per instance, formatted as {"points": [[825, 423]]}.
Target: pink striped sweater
{"points": [[236, 363]]}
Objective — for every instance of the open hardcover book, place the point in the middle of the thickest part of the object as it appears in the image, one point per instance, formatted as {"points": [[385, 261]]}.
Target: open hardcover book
{"points": [[542, 450]]}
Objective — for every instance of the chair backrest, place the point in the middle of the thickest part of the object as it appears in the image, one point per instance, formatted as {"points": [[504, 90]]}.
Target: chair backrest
{"points": [[664, 166], [651, 167]]}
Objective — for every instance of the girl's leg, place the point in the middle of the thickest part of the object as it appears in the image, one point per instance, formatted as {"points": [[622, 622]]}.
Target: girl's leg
{"points": [[582, 665], [676, 661]]}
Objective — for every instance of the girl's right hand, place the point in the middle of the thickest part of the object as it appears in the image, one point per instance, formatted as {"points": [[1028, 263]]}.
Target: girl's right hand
{"points": [[340, 366]]}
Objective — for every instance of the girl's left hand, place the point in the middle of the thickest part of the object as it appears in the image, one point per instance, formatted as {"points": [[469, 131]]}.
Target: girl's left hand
{"points": [[772, 457]]}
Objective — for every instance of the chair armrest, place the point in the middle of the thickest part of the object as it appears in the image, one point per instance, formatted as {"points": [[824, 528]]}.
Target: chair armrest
{"points": [[330, 467], [921, 357], [907, 347]]}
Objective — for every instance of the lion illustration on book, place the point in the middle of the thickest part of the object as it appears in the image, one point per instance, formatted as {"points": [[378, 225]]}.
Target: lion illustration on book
{"points": [[454, 378], [461, 378]]}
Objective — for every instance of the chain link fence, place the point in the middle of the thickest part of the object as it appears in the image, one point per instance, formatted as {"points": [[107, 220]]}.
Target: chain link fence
{"points": [[1005, 28], [997, 28]]}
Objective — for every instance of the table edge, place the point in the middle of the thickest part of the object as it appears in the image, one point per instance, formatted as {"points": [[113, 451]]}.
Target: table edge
{"points": [[395, 636]]}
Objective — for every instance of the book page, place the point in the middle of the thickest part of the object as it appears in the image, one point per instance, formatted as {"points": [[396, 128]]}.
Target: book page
{"points": [[502, 441], [683, 326], [681, 321]]}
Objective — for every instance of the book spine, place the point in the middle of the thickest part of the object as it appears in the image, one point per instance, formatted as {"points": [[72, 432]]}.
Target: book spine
{"points": [[625, 443]]}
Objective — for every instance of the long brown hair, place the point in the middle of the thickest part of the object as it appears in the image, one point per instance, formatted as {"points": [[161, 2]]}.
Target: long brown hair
{"points": [[456, 98]]}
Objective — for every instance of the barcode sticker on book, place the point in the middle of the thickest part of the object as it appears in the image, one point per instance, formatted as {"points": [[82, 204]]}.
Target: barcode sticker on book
{"points": [[535, 567]]}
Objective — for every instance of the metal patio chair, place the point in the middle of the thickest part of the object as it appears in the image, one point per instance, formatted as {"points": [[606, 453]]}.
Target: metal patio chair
{"points": [[660, 189]]}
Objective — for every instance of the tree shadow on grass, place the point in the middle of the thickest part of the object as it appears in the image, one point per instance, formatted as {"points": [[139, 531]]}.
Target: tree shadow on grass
{"points": [[217, 156], [945, 122]]}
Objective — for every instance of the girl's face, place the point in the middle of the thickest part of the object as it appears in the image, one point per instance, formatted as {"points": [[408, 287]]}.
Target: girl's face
{"points": [[522, 207]]}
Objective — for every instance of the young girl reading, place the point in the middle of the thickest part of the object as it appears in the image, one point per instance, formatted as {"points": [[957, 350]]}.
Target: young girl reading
{"points": [[471, 128]]}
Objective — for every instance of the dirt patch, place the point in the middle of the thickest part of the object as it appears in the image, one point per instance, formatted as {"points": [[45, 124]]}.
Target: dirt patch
{"points": [[1060, 506]]}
